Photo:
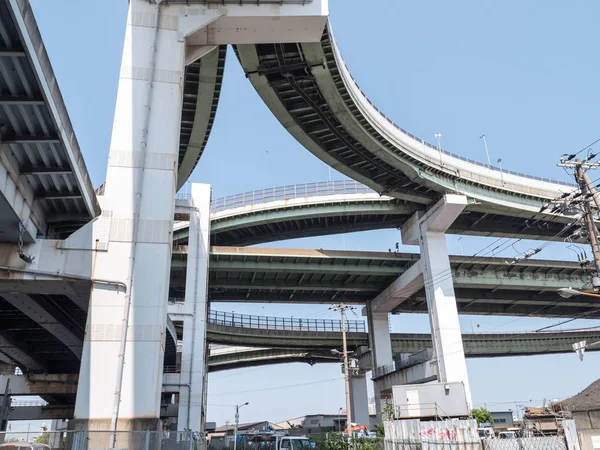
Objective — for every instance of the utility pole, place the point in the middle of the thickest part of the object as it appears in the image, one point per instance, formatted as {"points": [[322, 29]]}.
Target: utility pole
{"points": [[237, 421], [588, 215], [342, 308], [586, 193]]}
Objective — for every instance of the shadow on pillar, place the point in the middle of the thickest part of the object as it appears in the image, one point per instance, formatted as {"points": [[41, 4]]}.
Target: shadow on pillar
{"points": [[93, 434]]}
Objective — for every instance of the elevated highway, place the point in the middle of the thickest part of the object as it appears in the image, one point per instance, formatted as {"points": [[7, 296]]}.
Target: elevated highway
{"points": [[309, 89], [257, 337], [320, 209], [483, 285], [45, 188], [43, 331], [248, 341]]}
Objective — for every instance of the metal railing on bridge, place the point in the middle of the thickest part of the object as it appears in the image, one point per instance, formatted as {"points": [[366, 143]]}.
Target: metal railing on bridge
{"points": [[404, 363], [285, 193], [283, 323]]}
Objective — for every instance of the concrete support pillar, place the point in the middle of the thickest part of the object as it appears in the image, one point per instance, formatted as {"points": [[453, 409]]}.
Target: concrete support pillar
{"points": [[194, 357], [121, 369], [379, 338], [381, 347], [359, 399], [428, 231]]}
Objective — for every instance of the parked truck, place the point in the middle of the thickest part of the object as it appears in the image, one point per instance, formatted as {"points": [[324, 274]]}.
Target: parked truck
{"points": [[273, 440]]}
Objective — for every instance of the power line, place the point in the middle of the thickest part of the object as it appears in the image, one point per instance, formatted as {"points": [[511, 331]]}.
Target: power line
{"points": [[272, 388]]}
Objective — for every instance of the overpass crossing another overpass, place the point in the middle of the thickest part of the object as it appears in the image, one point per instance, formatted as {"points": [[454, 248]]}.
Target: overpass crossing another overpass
{"points": [[170, 97]]}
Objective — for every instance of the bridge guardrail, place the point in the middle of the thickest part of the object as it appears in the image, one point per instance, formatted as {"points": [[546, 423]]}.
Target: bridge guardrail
{"points": [[404, 363], [283, 323], [281, 193], [454, 155], [290, 192]]}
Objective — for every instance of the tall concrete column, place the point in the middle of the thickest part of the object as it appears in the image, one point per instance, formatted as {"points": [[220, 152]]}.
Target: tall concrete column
{"points": [[192, 394], [380, 341], [121, 368], [381, 348], [359, 399], [428, 231]]}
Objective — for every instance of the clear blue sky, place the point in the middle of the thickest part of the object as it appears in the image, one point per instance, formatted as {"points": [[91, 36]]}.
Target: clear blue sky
{"points": [[523, 73]]}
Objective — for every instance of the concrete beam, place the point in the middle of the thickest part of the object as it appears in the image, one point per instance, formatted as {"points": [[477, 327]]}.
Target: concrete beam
{"points": [[49, 412], [406, 285], [17, 355], [417, 374], [36, 312], [437, 219], [41, 384], [176, 311], [40, 412], [30, 139], [65, 384]]}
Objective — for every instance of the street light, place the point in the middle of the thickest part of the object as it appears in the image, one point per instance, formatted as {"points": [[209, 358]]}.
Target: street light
{"points": [[486, 149], [438, 136], [570, 292], [237, 421], [501, 173], [340, 420]]}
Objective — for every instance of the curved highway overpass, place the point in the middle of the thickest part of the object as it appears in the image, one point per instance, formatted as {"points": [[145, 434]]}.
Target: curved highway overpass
{"points": [[311, 92], [324, 208], [201, 93], [312, 348]]}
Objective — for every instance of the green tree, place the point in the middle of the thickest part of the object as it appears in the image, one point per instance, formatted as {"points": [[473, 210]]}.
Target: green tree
{"points": [[482, 415], [43, 438]]}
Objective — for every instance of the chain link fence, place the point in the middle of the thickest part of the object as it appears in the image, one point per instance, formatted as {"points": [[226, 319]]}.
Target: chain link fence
{"points": [[91, 440], [527, 443]]}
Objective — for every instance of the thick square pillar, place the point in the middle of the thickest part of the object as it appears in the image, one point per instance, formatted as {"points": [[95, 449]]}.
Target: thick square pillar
{"points": [[428, 231], [379, 338], [359, 399], [120, 380], [380, 343], [192, 393]]}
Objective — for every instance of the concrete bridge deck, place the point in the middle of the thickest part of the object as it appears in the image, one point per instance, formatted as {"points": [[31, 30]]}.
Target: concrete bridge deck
{"points": [[309, 89], [45, 188], [318, 209], [483, 285]]}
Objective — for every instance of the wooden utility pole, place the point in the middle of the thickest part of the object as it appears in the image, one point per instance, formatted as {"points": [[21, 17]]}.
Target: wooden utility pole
{"points": [[587, 193], [342, 308]]}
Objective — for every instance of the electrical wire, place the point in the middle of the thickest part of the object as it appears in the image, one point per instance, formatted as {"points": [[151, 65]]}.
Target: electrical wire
{"points": [[573, 155], [273, 388]]}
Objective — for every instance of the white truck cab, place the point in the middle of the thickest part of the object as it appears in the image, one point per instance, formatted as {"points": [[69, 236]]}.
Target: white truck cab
{"points": [[269, 440], [293, 443]]}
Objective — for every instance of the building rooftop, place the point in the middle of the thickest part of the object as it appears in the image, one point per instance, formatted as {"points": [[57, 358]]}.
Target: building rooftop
{"points": [[586, 400]]}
